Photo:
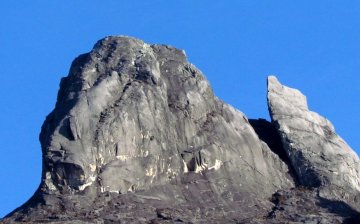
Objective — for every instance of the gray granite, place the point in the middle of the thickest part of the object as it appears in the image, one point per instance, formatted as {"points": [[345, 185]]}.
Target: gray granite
{"points": [[137, 136]]}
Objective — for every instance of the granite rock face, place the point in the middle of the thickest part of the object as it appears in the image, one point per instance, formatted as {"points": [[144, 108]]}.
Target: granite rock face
{"points": [[137, 135], [132, 115], [321, 159]]}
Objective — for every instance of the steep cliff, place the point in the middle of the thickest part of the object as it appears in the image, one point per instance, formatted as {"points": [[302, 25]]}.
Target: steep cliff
{"points": [[137, 135]]}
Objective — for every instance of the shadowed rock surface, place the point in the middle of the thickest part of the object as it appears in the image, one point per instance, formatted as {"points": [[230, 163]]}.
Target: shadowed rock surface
{"points": [[137, 135]]}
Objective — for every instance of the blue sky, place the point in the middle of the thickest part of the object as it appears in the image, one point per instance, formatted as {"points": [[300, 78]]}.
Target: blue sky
{"points": [[310, 45]]}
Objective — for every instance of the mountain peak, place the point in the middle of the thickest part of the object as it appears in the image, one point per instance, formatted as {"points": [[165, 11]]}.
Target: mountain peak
{"points": [[137, 135]]}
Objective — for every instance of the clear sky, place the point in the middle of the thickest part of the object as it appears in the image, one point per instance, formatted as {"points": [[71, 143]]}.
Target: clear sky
{"points": [[310, 45]]}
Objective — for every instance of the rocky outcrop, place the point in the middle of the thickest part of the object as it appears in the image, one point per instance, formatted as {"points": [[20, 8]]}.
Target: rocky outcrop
{"points": [[131, 115], [319, 156], [137, 135]]}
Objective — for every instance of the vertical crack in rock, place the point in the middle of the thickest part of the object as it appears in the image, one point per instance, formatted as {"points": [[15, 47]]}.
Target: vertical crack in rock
{"points": [[268, 133]]}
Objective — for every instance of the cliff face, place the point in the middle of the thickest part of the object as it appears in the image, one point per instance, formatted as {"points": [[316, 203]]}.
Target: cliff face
{"points": [[137, 135], [131, 115]]}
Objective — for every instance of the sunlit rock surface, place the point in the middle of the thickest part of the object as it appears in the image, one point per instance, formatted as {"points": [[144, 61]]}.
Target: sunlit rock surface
{"points": [[137, 135], [131, 115]]}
